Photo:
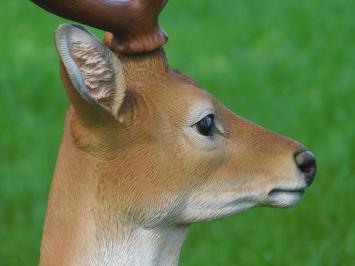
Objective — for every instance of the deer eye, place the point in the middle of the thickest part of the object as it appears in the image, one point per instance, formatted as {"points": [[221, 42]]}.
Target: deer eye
{"points": [[205, 125]]}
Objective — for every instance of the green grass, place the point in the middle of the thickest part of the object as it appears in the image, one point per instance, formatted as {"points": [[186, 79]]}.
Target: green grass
{"points": [[288, 65]]}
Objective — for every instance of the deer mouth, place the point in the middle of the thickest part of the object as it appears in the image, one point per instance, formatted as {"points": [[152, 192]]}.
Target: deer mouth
{"points": [[287, 191], [284, 198]]}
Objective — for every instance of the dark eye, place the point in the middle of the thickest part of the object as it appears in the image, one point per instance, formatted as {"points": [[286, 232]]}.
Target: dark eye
{"points": [[205, 125]]}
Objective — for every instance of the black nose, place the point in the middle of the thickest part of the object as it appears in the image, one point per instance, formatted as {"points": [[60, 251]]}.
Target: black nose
{"points": [[306, 162]]}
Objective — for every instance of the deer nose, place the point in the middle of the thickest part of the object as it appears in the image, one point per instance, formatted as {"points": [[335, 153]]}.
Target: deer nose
{"points": [[306, 162]]}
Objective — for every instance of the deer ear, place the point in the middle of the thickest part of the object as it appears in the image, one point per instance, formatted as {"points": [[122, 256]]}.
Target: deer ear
{"points": [[95, 73]]}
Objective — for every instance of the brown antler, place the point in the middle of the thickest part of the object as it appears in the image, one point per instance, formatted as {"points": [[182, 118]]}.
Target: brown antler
{"points": [[133, 23]]}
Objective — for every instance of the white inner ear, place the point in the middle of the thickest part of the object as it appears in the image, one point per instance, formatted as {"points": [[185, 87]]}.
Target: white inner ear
{"points": [[94, 70], [97, 75]]}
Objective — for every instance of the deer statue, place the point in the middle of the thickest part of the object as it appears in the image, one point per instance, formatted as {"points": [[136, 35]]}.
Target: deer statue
{"points": [[146, 151]]}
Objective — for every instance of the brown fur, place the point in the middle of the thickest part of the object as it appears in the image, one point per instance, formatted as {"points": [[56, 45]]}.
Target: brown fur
{"points": [[113, 171]]}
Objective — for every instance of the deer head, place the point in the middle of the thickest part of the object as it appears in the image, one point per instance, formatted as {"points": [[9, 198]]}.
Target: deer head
{"points": [[160, 151]]}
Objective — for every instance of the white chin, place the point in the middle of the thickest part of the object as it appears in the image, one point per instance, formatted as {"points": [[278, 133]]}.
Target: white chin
{"points": [[283, 199]]}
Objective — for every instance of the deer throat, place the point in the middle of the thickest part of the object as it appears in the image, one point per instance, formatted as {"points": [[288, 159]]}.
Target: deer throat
{"points": [[81, 230], [142, 246]]}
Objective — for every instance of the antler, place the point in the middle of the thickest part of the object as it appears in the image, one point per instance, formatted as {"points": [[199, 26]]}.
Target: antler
{"points": [[133, 23]]}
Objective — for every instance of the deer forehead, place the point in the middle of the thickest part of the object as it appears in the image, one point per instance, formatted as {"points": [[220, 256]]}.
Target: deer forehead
{"points": [[180, 101]]}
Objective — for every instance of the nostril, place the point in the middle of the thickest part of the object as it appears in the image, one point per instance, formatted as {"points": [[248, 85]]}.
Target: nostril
{"points": [[306, 162]]}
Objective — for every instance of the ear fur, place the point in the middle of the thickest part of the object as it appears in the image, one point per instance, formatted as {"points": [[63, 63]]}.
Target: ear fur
{"points": [[94, 70]]}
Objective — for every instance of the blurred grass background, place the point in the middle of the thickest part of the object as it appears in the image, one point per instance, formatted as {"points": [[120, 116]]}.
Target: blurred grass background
{"points": [[287, 65]]}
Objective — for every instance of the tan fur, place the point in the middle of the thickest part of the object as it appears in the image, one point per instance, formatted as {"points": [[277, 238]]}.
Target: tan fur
{"points": [[138, 168]]}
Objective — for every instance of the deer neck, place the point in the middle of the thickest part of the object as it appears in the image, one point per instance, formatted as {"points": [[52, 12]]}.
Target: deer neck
{"points": [[142, 246], [80, 229]]}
